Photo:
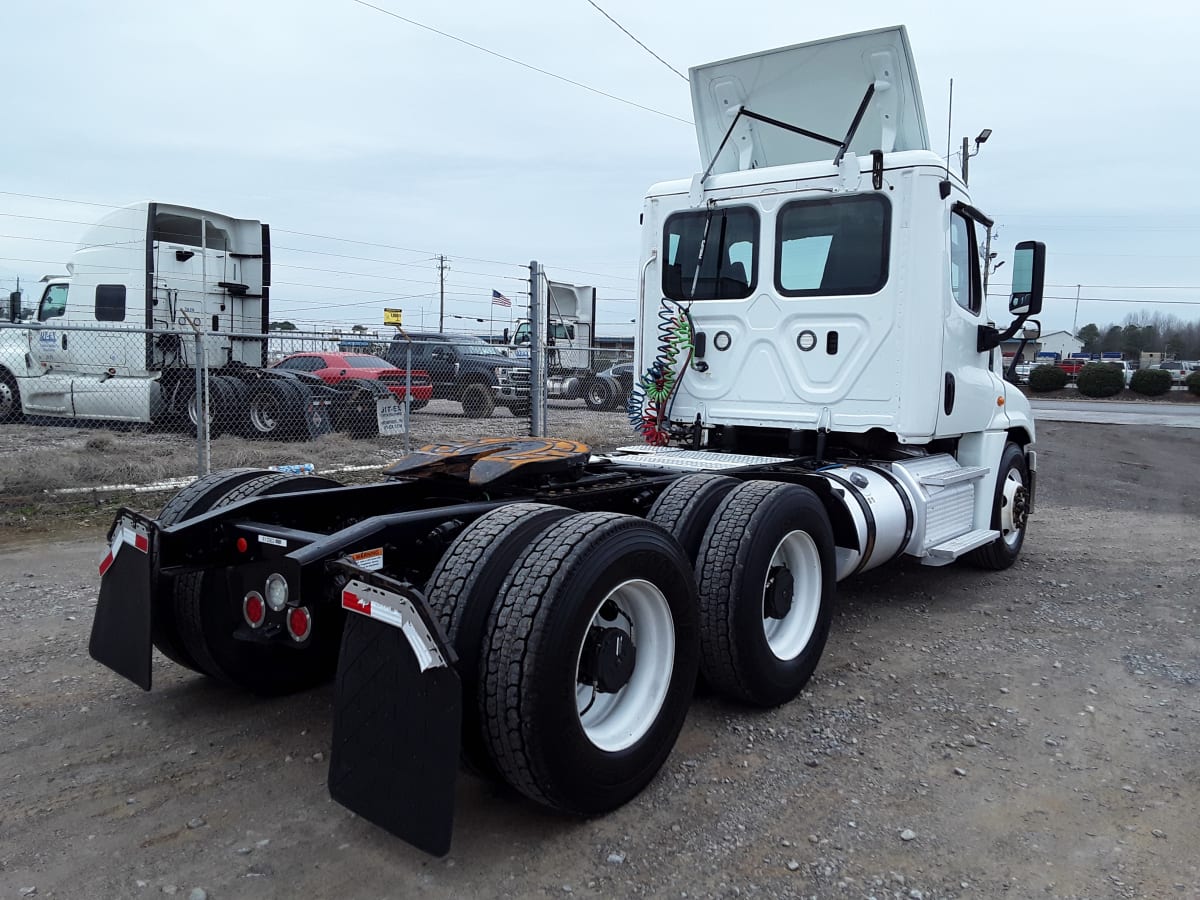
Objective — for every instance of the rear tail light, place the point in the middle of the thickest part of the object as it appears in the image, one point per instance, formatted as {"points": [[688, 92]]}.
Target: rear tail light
{"points": [[299, 623], [254, 609], [277, 591]]}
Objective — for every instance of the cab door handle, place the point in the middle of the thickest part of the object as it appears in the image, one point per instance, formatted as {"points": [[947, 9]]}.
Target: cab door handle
{"points": [[64, 342]]}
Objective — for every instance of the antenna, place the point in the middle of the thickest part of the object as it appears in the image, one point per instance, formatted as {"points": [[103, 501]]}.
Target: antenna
{"points": [[944, 187]]}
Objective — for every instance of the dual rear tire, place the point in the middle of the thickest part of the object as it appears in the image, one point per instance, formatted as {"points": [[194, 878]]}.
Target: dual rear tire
{"points": [[580, 636], [578, 665], [195, 626]]}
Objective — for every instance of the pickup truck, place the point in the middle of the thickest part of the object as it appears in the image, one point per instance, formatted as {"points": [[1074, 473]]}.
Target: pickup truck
{"points": [[466, 369]]}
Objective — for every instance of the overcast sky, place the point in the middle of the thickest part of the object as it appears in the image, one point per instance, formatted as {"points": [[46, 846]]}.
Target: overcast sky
{"points": [[336, 120]]}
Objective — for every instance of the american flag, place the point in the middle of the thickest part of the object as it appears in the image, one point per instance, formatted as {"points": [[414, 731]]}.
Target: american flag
{"points": [[498, 299]]}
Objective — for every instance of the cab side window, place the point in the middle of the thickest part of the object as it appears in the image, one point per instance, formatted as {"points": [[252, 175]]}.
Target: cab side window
{"points": [[54, 302], [964, 265]]}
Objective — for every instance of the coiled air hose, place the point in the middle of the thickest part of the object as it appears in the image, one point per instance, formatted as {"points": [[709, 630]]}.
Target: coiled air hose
{"points": [[649, 403]]}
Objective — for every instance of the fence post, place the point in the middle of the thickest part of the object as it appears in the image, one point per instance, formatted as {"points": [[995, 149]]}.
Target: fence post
{"points": [[537, 353], [202, 458], [407, 398]]}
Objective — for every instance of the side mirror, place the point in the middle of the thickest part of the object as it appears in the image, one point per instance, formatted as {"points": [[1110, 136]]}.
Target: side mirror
{"points": [[1028, 278], [506, 335], [14, 307]]}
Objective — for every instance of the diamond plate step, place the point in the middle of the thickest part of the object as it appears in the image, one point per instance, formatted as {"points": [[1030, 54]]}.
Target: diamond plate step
{"points": [[952, 549], [954, 476]]}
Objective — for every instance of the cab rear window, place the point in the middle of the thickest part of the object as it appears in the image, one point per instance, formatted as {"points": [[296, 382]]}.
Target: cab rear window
{"points": [[832, 247]]}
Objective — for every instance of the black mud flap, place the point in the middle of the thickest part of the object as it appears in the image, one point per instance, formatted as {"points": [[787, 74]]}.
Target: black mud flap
{"points": [[397, 715], [121, 627]]}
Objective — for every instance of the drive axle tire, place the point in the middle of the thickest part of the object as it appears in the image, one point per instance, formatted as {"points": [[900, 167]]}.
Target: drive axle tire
{"points": [[1010, 509], [207, 616], [195, 499], [687, 505], [10, 398], [274, 410], [462, 589], [766, 575], [588, 662], [598, 394], [477, 401]]}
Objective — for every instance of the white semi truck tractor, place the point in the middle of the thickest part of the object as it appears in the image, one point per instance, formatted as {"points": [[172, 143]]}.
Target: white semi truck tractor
{"points": [[579, 356], [820, 394], [117, 339]]}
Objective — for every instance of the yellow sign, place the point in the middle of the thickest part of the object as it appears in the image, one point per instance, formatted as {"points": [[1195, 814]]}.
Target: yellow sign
{"points": [[392, 316]]}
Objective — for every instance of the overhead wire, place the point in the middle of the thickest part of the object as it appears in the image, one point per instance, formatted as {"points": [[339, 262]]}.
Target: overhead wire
{"points": [[636, 41], [517, 62]]}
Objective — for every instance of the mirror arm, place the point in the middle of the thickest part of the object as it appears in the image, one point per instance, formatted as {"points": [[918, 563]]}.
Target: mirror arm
{"points": [[989, 337]]}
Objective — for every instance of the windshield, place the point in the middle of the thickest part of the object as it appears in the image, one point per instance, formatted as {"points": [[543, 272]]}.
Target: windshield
{"points": [[727, 239], [367, 362], [478, 347]]}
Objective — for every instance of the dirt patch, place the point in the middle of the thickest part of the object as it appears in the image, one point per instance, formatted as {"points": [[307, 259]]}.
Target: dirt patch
{"points": [[1031, 732]]}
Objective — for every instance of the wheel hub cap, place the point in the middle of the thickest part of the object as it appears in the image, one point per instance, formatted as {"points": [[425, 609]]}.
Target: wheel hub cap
{"points": [[777, 599], [608, 659]]}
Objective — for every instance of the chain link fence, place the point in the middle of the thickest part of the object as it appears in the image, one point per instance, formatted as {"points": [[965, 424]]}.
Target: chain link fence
{"points": [[91, 416]]}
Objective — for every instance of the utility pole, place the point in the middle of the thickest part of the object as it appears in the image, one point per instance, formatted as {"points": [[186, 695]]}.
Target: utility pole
{"points": [[442, 267], [1075, 324]]}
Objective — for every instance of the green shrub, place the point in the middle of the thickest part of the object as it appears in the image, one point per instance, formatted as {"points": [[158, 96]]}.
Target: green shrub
{"points": [[1100, 380], [1047, 378], [1193, 382], [1151, 382]]}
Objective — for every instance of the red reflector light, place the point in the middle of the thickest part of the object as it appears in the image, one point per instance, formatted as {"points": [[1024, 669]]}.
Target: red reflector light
{"points": [[254, 609], [299, 623], [241, 545]]}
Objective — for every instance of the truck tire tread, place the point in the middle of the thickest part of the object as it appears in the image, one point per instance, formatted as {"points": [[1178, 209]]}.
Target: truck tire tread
{"points": [[523, 641], [462, 589], [731, 656], [687, 505]]}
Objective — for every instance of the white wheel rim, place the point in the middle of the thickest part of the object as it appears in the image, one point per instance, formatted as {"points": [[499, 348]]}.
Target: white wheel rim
{"points": [[1010, 528], [616, 721], [787, 637]]}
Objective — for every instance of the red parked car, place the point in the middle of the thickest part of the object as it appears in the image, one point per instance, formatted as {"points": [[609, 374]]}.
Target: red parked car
{"points": [[335, 367]]}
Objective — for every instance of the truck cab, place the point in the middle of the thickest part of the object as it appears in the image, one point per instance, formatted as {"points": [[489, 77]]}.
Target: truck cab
{"points": [[826, 285], [109, 339]]}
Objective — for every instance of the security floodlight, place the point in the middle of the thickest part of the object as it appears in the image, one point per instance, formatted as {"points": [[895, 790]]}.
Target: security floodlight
{"points": [[983, 136]]}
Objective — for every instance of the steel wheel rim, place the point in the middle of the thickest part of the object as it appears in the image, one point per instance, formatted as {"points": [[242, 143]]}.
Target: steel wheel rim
{"points": [[8, 400], [787, 637], [191, 410], [264, 415], [596, 395], [1013, 507], [614, 722]]}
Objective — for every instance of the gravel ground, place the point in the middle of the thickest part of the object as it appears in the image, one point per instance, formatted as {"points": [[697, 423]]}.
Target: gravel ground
{"points": [[1024, 733]]}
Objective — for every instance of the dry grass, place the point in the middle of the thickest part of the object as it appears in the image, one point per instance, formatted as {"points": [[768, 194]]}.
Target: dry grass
{"points": [[38, 461]]}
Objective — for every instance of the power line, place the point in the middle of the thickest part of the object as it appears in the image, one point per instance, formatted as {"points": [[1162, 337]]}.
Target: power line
{"points": [[636, 41], [517, 62]]}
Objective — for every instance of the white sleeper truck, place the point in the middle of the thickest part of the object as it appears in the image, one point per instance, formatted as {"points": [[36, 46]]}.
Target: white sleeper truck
{"points": [[819, 394], [116, 340], [577, 353]]}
